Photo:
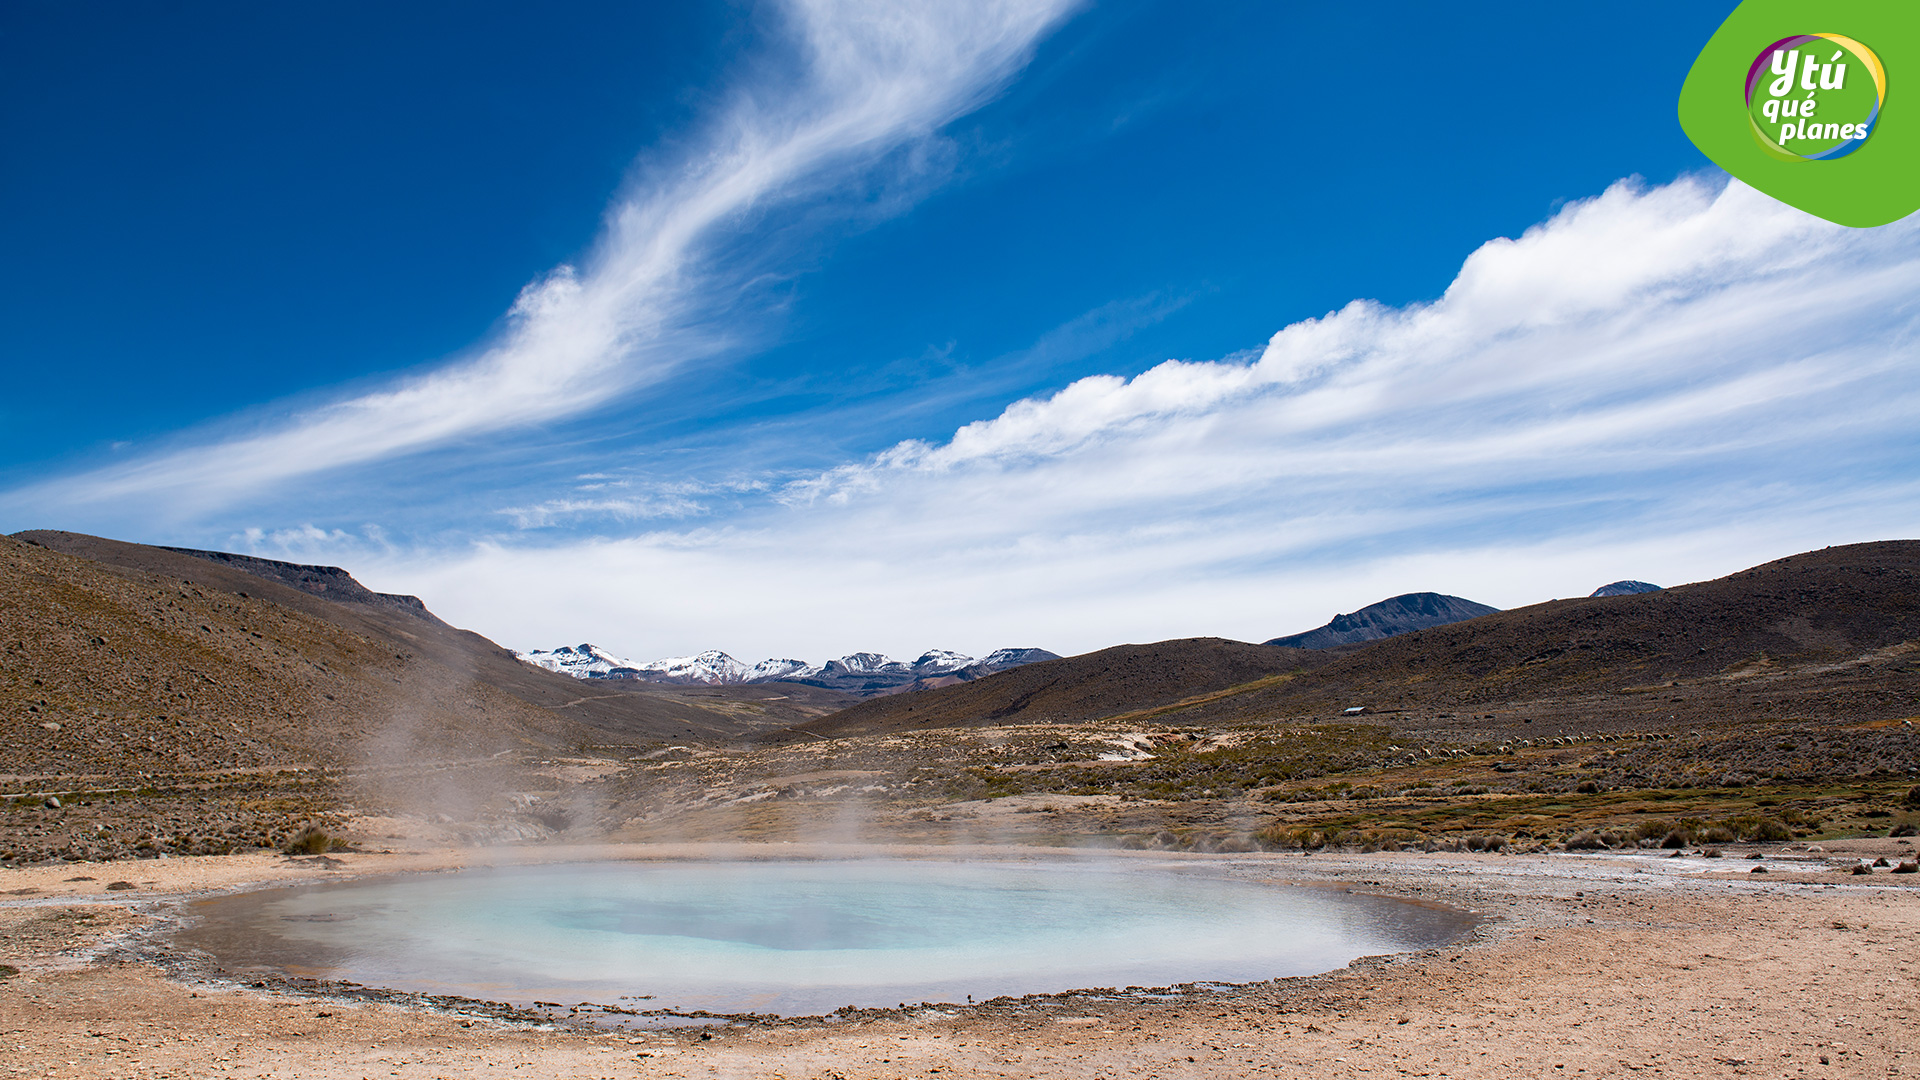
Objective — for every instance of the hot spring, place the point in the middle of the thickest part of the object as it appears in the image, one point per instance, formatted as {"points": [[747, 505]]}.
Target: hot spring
{"points": [[800, 938]]}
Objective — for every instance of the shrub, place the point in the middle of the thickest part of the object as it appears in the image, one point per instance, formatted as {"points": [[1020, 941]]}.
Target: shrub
{"points": [[313, 840], [1282, 837]]}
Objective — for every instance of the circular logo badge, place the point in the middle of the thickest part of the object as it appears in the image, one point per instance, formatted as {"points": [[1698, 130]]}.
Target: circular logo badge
{"points": [[1814, 97]]}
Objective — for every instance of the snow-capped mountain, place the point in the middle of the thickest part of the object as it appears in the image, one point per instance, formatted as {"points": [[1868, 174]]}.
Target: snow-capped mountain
{"points": [[580, 661], [1002, 659], [767, 670], [866, 663], [942, 661], [860, 673], [710, 667]]}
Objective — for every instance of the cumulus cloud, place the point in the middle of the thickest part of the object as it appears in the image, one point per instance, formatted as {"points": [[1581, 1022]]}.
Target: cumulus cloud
{"points": [[861, 80], [1666, 382]]}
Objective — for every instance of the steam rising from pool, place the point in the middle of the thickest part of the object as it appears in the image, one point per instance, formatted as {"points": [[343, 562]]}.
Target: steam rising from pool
{"points": [[802, 937]]}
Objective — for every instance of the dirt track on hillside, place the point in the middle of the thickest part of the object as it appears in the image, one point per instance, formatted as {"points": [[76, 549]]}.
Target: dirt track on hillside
{"points": [[1587, 966]]}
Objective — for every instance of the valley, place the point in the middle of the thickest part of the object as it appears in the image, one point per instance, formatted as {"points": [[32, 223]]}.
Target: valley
{"points": [[1592, 775]]}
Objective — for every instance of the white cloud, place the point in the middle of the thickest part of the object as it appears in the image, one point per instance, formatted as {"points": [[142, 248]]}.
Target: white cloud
{"points": [[1665, 383], [870, 77], [635, 508]]}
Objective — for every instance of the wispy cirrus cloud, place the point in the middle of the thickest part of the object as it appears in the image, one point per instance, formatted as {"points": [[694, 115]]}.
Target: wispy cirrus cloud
{"points": [[853, 85], [1666, 382]]}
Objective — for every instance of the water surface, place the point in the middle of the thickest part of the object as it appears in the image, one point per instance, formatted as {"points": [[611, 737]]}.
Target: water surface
{"points": [[801, 937]]}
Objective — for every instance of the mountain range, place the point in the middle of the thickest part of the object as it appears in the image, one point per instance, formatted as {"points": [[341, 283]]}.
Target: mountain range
{"points": [[1823, 633], [123, 659], [863, 673]]}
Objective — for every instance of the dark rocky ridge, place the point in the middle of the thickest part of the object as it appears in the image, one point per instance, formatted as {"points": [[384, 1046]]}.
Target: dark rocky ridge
{"points": [[1397, 615], [327, 582]]}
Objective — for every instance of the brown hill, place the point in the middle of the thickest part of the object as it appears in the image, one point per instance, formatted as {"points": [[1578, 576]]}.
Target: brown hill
{"points": [[1820, 633], [1814, 608], [1075, 688], [118, 657]]}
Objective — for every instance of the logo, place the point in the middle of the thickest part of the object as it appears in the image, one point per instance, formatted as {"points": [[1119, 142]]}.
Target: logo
{"points": [[1820, 122], [1814, 97]]}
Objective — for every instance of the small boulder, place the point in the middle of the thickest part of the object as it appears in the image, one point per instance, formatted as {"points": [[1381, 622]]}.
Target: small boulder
{"points": [[1758, 870]]}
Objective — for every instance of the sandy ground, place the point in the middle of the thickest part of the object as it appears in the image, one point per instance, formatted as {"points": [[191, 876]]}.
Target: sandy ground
{"points": [[1588, 965]]}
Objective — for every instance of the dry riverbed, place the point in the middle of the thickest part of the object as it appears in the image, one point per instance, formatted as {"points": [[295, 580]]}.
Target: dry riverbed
{"points": [[1587, 965]]}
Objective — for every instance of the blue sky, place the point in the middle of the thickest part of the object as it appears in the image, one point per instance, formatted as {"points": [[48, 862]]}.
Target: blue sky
{"points": [[803, 327]]}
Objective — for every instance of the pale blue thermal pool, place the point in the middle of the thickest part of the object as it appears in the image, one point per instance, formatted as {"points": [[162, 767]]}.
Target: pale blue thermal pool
{"points": [[803, 937]]}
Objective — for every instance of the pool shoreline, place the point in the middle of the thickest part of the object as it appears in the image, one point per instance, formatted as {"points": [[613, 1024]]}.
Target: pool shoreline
{"points": [[1590, 961], [1101, 910]]}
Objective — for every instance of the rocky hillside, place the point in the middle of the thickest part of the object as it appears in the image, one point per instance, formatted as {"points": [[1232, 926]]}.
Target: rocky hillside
{"points": [[120, 658]]}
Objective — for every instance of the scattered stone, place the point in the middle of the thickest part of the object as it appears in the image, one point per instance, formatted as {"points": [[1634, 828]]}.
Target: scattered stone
{"points": [[1910, 867], [1882, 861], [52, 803], [1860, 868], [118, 886], [1758, 870]]}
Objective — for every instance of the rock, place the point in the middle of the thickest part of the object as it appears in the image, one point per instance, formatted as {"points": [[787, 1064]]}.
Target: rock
{"points": [[119, 886], [52, 803], [1910, 867], [1758, 870], [1882, 861], [1860, 868]]}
